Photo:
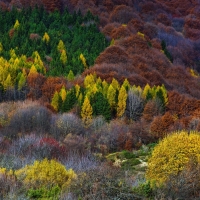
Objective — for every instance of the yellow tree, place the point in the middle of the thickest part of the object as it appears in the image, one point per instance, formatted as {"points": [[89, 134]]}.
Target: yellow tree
{"points": [[33, 70], [115, 84], [16, 26], [164, 93], [86, 112], [146, 91], [77, 88], [70, 76], [46, 38], [89, 80], [105, 87], [111, 96], [38, 62], [8, 82], [55, 101], [63, 57], [172, 155], [82, 58], [63, 93], [126, 84], [61, 46], [121, 106], [22, 81]]}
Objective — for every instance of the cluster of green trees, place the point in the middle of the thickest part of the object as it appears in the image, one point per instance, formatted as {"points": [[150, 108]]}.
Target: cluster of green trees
{"points": [[98, 97], [64, 41]]}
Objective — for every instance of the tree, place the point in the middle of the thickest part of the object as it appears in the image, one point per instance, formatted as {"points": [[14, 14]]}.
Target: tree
{"points": [[63, 57], [63, 93], [46, 37], [56, 101], [111, 93], [69, 101], [101, 106], [171, 156], [126, 85], [16, 26], [60, 46], [121, 106], [86, 112], [135, 105], [8, 83], [82, 58], [22, 81], [146, 92], [115, 84], [70, 75]]}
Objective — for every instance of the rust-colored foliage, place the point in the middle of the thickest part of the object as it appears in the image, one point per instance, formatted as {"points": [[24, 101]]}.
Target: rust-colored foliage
{"points": [[164, 19], [196, 113], [11, 32], [35, 81], [107, 30], [151, 110], [137, 24], [160, 126], [189, 106], [51, 85], [150, 30], [153, 77], [113, 54], [120, 32], [174, 101], [122, 14], [135, 41], [34, 36], [156, 128], [156, 43]]}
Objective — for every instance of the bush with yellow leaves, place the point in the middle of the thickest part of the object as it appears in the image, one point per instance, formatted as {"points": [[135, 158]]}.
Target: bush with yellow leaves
{"points": [[172, 155], [45, 173]]}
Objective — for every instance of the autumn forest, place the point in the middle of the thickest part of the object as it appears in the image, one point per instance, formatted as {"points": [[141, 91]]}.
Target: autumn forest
{"points": [[99, 99]]}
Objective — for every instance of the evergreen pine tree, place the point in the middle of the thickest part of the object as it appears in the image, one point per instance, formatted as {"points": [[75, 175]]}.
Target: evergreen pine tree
{"points": [[101, 106], [69, 101]]}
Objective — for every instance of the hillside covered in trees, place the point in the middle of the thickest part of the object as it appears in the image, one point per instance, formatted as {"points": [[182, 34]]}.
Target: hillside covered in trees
{"points": [[89, 92]]}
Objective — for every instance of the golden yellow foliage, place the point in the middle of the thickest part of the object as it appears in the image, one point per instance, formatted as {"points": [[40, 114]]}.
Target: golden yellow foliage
{"points": [[86, 112], [82, 58], [61, 46], [63, 93], [46, 37], [121, 106], [45, 173], [140, 34], [16, 26], [172, 154]]}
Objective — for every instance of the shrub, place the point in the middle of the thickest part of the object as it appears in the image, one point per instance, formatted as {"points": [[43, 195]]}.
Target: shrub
{"points": [[52, 194], [143, 189], [171, 155], [67, 123], [45, 173], [31, 118], [103, 182]]}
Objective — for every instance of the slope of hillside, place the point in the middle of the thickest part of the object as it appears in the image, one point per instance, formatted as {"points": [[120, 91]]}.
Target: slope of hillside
{"points": [[93, 85]]}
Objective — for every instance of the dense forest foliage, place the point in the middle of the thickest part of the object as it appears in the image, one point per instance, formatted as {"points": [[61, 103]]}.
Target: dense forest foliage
{"points": [[99, 99], [64, 41]]}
